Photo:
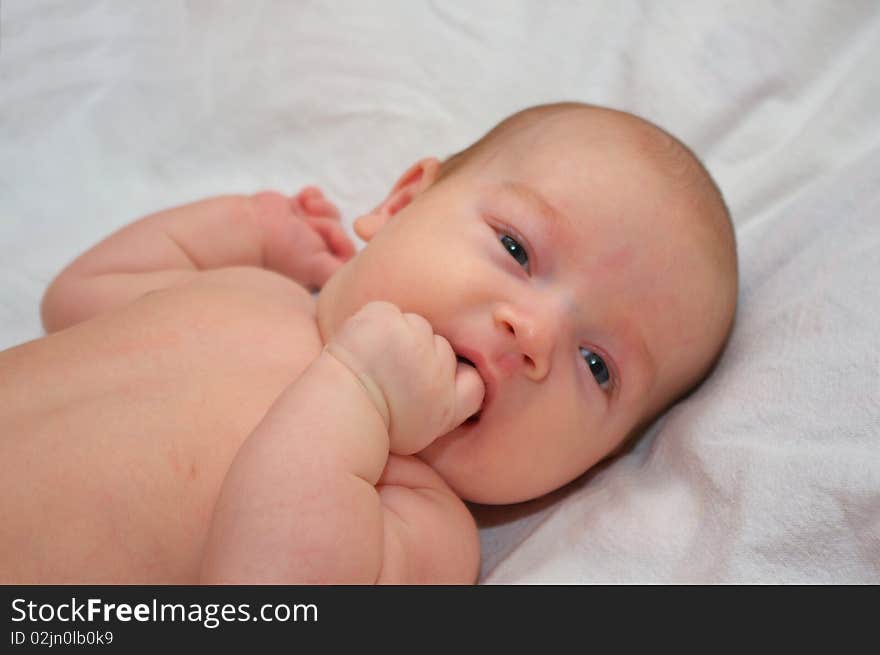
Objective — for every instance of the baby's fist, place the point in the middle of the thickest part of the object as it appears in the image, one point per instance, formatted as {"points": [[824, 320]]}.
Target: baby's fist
{"points": [[410, 374], [304, 239]]}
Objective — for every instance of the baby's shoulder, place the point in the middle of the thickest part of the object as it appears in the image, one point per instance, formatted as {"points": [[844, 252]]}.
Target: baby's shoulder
{"points": [[243, 293], [251, 284], [232, 306]]}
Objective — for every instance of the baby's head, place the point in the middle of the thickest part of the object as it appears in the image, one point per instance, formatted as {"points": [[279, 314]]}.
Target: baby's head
{"points": [[582, 259]]}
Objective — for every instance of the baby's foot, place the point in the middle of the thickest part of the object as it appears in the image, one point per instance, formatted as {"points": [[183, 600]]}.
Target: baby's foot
{"points": [[311, 202]]}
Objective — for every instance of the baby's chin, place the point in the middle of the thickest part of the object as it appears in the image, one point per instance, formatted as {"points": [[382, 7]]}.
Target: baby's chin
{"points": [[448, 456], [492, 463], [467, 461]]}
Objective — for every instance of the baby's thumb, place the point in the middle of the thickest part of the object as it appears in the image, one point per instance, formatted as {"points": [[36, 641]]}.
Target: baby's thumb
{"points": [[334, 236], [469, 392]]}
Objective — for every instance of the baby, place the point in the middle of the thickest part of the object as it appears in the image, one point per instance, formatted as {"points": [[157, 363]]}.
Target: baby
{"points": [[520, 310]]}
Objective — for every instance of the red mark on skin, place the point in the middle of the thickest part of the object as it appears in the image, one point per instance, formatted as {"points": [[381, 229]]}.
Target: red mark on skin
{"points": [[617, 259], [173, 460], [177, 468]]}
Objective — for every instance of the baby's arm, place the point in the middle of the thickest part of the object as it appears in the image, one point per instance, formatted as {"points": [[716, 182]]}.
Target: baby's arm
{"points": [[300, 503], [299, 237]]}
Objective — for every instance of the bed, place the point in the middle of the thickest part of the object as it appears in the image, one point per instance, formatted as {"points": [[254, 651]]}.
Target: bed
{"points": [[770, 471]]}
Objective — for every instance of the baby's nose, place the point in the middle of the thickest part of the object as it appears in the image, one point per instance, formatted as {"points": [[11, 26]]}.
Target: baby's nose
{"points": [[528, 342]]}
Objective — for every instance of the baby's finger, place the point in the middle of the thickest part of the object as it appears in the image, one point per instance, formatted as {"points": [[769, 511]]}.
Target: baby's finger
{"points": [[320, 206], [310, 201], [310, 190], [469, 392], [298, 200], [334, 236]]}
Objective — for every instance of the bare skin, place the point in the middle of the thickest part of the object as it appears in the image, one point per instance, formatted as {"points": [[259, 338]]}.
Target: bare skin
{"points": [[110, 473], [195, 416], [131, 501]]}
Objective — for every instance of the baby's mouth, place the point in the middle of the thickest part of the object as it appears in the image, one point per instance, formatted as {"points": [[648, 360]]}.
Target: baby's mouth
{"points": [[473, 418]]}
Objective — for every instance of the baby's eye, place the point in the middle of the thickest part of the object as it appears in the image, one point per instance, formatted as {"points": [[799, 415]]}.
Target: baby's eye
{"points": [[597, 367], [516, 250]]}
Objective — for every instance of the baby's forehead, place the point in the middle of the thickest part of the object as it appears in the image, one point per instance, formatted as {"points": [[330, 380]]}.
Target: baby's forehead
{"points": [[608, 192], [620, 213], [619, 186], [606, 143], [612, 177]]}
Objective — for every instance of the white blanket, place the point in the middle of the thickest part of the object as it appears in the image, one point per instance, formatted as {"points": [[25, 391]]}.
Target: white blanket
{"points": [[770, 472]]}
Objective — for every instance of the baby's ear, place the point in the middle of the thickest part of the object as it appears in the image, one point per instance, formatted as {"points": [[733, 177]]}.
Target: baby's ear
{"points": [[417, 178]]}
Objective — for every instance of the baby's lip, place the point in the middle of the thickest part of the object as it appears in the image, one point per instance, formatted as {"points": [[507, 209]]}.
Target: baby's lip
{"points": [[479, 362]]}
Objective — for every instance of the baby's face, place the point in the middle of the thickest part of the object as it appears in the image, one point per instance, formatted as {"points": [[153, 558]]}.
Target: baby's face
{"points": [[572, 274]]}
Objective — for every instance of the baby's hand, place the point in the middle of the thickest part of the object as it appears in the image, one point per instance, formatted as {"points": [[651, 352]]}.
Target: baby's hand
{"points": [[305, 241], [410, 374]]}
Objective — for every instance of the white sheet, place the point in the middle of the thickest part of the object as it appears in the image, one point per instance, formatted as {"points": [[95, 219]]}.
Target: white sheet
{"points": [[768, 473]]}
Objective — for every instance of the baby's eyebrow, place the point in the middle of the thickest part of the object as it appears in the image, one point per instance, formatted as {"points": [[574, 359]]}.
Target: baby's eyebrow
{"points": [[633, 354], [532, 197]]}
